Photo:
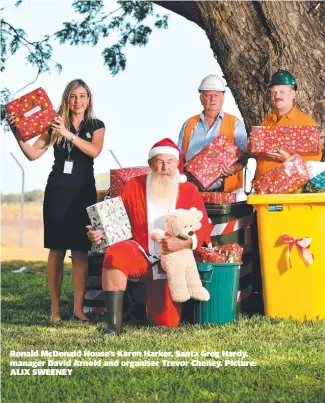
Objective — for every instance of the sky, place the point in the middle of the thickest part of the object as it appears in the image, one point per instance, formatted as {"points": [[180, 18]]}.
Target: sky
{"points": [[150, 100]]}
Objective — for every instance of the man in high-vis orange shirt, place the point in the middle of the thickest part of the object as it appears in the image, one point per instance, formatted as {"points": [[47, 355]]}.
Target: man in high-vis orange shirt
{"points": [[199, 130], [283, 93]]}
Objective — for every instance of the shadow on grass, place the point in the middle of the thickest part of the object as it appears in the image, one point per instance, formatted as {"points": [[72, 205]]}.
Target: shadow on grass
{"points": [[25, 297], [254, 305]]}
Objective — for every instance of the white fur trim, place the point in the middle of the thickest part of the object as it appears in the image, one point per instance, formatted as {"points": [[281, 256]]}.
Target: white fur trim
{"points": [[182, 178], [163, 150]]}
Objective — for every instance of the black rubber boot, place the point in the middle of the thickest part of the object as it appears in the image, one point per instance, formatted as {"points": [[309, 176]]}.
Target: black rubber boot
{"points": [[114, 312], [135, 314]]}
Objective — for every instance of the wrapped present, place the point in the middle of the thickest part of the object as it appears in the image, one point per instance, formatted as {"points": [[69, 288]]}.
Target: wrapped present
{"points": [[220, 254], [218, 197], [315, 168], [209, 255], [34, 113], [206, 165], [287, 177], [119, 177], [232, 251], [293, 139], [111, 217], [315, 184]]}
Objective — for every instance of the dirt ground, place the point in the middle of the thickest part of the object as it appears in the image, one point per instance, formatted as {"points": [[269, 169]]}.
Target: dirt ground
{"points": [[33, 233], [32, 228]]}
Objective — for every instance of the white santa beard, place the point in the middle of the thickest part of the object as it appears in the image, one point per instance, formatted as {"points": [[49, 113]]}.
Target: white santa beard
{"points": [[157, 209], [163, 189]]}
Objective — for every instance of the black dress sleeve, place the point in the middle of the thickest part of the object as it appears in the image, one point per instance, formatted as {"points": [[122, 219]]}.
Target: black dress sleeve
{"points": [[97, 124]]}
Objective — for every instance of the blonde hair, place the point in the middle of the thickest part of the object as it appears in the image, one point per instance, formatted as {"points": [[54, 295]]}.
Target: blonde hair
{"points": [[64, 110]]}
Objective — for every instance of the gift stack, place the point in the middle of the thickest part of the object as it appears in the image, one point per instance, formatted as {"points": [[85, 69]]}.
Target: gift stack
{"points": [[34, 113], [209, 255], [205, 166], [119, 177], [316, 171], [293, 139], [111, 217], [218, 197], [287, 177], [230, 253]]}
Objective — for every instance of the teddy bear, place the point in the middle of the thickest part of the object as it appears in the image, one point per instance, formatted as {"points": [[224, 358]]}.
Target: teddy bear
{"points": [[182, 274]]}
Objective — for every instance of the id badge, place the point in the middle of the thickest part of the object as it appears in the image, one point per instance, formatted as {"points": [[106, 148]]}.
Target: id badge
{"points": [[68, 165]]}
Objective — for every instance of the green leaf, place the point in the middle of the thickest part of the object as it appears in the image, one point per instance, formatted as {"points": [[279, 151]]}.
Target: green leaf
{"points": [[96, 24], [142, 10], [114, 59], [162, 23], [83, 7]]}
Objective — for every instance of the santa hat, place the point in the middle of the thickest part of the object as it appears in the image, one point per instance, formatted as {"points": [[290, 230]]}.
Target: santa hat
{"points": [[167, 146]]}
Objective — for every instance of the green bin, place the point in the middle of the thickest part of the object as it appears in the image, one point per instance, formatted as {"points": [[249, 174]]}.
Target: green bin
{"points": [[222, 282]]}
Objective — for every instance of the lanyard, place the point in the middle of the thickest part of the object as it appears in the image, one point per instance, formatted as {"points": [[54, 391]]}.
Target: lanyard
{"points": [[70, 145]]}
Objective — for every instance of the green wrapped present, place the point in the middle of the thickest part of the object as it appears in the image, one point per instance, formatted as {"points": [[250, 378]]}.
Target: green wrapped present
{"points": [[316, 184]]}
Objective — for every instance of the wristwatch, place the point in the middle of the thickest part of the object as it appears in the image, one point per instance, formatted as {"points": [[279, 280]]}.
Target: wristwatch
{"points": [[73, 137]]}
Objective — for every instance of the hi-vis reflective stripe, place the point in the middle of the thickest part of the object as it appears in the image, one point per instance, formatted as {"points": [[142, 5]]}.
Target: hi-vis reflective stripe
{"points": [[234, 225], [245, 293], [94, 294]]}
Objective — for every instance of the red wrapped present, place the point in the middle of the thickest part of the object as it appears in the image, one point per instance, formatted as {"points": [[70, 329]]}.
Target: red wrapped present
{"points": [[218, 197], [293, 139], [220, 254], [284, 178], [119, 177], [206, 165], [34, 113], [209, 255], [232, 251]]}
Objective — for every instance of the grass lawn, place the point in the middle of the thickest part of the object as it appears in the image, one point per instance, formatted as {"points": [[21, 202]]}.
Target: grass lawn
{"points": [[289, 355]]}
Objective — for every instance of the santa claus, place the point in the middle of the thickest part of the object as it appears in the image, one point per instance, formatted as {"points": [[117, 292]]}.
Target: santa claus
{"points": [[148, 199]]}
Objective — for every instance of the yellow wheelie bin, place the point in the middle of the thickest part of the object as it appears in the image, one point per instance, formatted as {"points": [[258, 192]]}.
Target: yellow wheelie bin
{"points": [[291, 230]]}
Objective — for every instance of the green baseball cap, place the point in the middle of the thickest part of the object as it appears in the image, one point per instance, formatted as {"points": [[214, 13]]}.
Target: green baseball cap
{"points": [[283, 77]]}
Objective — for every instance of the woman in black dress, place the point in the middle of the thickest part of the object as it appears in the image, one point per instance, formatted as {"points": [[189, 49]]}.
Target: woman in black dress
{"points": [[77, 139]]}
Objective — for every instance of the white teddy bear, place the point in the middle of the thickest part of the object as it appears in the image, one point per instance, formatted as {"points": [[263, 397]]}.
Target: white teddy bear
{"points": [[182, 274]]}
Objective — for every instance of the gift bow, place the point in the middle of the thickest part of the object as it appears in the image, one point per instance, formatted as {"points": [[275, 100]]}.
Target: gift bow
{"points": [[303, 245]]}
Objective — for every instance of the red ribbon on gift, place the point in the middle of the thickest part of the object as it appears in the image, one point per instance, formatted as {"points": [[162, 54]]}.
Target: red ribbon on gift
{"points": [[303, 245]]}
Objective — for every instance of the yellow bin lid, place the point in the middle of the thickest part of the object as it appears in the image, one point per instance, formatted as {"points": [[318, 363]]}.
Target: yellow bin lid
{"points": [[301, 198]]}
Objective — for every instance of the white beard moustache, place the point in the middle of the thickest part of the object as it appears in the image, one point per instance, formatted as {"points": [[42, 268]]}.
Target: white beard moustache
{"points": [[163, 188]]}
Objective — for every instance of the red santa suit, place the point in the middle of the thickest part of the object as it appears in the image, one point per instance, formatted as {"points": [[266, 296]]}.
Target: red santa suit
{"points": [[127, 257]]}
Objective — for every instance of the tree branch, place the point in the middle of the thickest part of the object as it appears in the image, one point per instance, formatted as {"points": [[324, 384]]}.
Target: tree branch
{"points": [[16, 32], [25, 42], [27, 85], [187, 9]]}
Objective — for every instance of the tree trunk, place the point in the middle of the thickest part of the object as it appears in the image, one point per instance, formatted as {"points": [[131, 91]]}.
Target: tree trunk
{"points": [[251, 40]]}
